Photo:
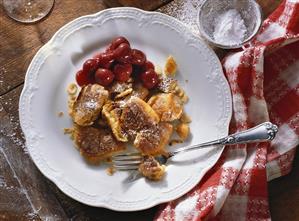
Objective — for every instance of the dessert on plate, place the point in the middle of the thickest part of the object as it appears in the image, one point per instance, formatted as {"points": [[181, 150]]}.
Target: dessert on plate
{"points": [[125, 100]]}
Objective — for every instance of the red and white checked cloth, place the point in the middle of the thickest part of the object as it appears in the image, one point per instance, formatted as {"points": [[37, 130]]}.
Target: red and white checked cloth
{"points": [[264, 80]]}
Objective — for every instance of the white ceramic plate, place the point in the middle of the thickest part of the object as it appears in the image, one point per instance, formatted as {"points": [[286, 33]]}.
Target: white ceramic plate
{"points": [[54, 67]]}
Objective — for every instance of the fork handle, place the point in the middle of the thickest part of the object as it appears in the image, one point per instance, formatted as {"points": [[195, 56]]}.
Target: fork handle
{"points": [[260, 133]]}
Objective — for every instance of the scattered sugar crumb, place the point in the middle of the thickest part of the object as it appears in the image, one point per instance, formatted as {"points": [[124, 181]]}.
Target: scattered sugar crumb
{"points": [[110, 170], [2, 182]]}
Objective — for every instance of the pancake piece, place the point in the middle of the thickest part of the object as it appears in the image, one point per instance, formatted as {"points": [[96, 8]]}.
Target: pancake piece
{"points": [[142, 125], [169, 107], [137, 115], [151, 169], [88, 104], [112, 113], [139, 91], [96, 144], [167, 84], [153, 140], [170, 66]]}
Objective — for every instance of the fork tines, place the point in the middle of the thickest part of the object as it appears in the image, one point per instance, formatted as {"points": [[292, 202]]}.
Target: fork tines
{"points": [[127, 161]]}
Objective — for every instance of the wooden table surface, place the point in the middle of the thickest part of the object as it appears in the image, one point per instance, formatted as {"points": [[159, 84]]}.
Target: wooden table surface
{"points": [[25, 194]]}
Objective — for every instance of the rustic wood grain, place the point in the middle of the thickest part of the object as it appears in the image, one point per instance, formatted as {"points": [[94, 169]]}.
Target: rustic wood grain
{"points": [[144, 4], [19, 42], [28, 180], [268, 6], [284, 195]]}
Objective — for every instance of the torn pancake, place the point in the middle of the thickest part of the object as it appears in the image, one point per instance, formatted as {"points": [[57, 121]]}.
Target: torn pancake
{"points": [[153, 140], [96, 144], [169, 107], [151, 169], [112, 113], [137, 115], [88, 104]]}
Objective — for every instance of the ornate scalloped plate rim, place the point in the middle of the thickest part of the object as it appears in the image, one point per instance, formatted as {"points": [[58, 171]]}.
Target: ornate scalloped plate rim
{"points": [[59, 182]]}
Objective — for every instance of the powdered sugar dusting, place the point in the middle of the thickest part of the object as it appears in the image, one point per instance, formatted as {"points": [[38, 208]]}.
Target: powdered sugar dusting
{"points": [[91, 104], [229, 28], [185, 11], [2, 182], [9, 127]]}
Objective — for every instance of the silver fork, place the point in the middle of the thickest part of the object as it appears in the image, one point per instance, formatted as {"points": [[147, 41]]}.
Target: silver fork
{"points": [[260, 133]]}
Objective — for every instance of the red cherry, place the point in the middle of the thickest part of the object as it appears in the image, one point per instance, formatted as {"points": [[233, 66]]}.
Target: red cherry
{"points": [[138, 57], [104, 57], [149, 79], [122, 50], [148, 66], [107, 65], [122, 72], [104, 60], [104, 77], [125, 59], [90, 66], [116, 42], [82, 78]]}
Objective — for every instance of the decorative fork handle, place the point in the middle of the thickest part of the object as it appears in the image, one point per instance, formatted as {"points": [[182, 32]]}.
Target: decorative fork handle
{"points": [[260, 133]]}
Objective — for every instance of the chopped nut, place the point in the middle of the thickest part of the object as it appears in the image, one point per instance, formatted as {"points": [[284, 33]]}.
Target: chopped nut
{"points": [[68, 130], [72, 89], [170, 66], [183, 131], [125, 93]]}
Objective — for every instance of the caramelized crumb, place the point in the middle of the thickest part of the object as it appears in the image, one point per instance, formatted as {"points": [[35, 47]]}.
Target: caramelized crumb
{"points": [[185, 118], [68, 130], [151, 169], [183, 131], [110, 170], [174, 142], [60, 114], [170, 66]]}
